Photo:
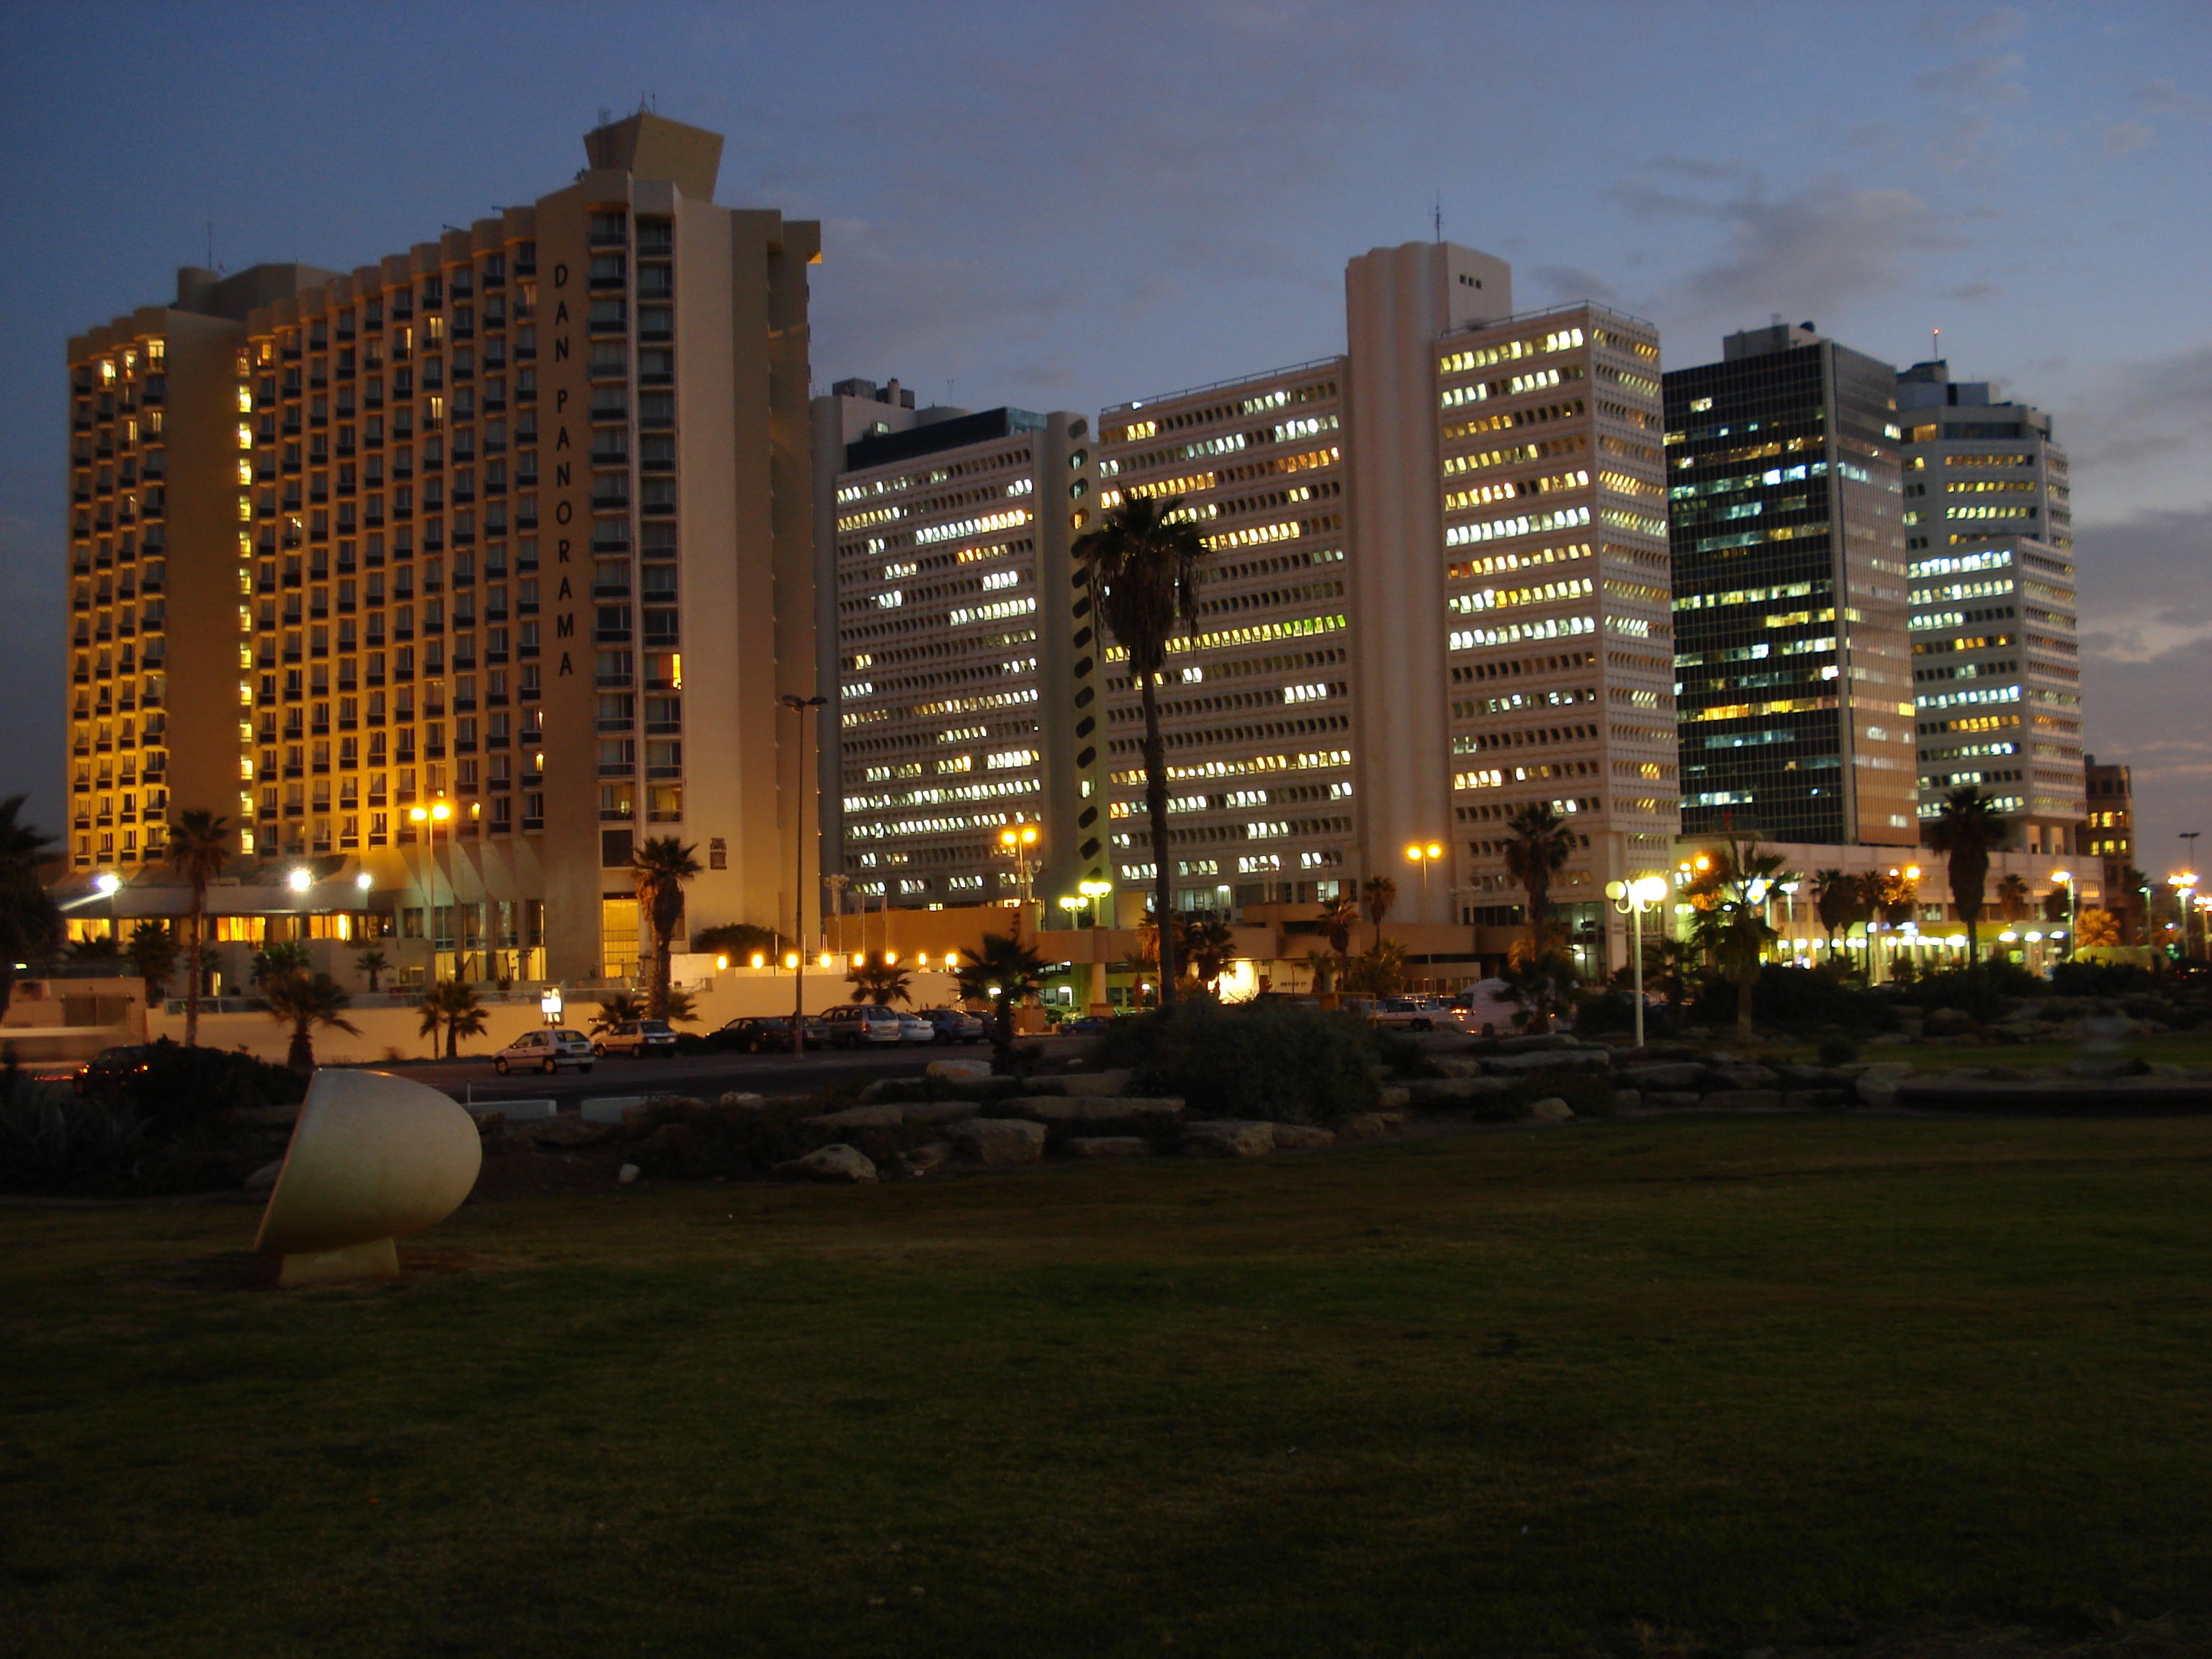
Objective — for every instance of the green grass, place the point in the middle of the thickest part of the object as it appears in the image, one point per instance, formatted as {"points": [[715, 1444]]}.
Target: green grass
{"points": [[2190, 1048], [1634, 1384]]}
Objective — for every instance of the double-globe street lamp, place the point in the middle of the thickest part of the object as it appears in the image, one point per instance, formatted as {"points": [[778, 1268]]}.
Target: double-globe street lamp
{"points": [[1632, 899], [430, 818], [797, 959]]}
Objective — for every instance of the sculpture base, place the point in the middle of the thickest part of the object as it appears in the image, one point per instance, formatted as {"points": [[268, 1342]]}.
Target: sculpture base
{"points": [[378, 1259]]}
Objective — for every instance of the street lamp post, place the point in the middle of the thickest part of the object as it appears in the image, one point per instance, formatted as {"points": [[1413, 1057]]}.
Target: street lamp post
{"points": [[1092, 892], [430, 818], [1632, 899], [1018, 839], [798, 706], [2065, 879], [2184, 884], [836, 882], [1424, 856]]}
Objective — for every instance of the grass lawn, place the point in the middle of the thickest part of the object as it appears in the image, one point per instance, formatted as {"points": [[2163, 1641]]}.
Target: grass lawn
{"points": [[2190, 1048], [1636, 1386]]}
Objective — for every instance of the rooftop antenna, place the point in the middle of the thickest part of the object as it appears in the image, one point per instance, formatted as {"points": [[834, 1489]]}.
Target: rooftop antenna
{"points": [[1936, 345], [1436, 214], [210, 241]]}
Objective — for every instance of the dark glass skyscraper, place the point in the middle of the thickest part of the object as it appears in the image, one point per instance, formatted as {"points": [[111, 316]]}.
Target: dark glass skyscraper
{"points": [[1793, 666]]}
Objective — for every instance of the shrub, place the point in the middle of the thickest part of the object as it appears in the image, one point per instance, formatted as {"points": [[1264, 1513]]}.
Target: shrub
{"points": [[1403, 1055], [691, 1141], [1796, 998], [1602, 1012], [1259, 1059], [1838, 1051], [52, 1142], [1983, 993], [179, 1087], [2104, 979]]}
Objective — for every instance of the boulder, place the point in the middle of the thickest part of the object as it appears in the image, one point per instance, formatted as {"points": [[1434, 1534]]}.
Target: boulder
{"points": [[1109, 1146], [833, 1162], [859, 1117], [627, 1173], [928, 1159], [1679, 1075], [1457, 1064], [1670, 1100], [1524, 1045], [999, 1140], [1818, 1100], [1627, 1100], [1877, 1084], [1550, 1109], [1741, 1100], [1742, 1075], [1547, 1059], [958, 1070], [561, 1132], [265, 1177], [1087, 1084], [736, 1098], [1363, 1126], [1394, 1097], [1101, 1109], [1228, 1137], [1445, 1090], [641, 1121], [1301, 1137], [932, 1112], [1890, 1040], [1948, 1021]]}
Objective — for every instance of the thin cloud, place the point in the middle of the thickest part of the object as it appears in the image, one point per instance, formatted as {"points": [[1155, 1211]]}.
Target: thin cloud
{"points": [[2121, 138], [1571, 283], [1985, 76]]}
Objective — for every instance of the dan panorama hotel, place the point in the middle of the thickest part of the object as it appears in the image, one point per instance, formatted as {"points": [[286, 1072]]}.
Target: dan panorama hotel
{"points": [[511, 529], [1437, 591]]}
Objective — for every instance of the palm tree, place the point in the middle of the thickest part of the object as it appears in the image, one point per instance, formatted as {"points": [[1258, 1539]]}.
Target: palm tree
{"points": [[1966, 829], [1148, 942], [2095, 927], [615, 1007], [283, 956], [1002, 973], [1727, 919], [154, 954], [1377, 895], [2012, 899], [30, 922], [451, 1005], [882, 983], [306, 999], [1324, 964], [1210, 947], [1142, 567], [105, 947], [1835, 898], [1379, 971], [199, 847], [1337, 918], [372, 964], [660, 866], [1538, 843]]}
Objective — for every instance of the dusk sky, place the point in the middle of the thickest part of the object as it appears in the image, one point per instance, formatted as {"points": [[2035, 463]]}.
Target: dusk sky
{"points": [[1063, 206]]}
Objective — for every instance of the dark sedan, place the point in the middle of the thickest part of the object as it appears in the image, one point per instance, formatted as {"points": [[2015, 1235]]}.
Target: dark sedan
{"points": [[108, 1067], [770, 1036]]}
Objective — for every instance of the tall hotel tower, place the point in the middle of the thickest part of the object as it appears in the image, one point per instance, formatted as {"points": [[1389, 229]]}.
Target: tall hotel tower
{"points": [[1438, 592], [1989, 529], [1793, 662], [514, 529]]}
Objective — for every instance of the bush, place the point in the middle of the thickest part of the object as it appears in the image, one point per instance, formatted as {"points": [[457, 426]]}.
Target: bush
{"points": [[1403, 1055], [689, 1139], [51, 1142], [2105, 979], [1798, 999], [179, 1088], [1602, 1012], [1259, 1059], [1984, 992], [1838, 1051]]}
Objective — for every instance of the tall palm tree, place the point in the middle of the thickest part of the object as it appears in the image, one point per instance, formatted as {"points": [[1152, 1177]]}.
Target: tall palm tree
{"points": [[1337, 918], [1728, 920], [199, 847], [615, 1007], [450, 1004], [2012, 899], [880, 982], [660, 866], [30, 922], [1002, 973], [1377, 895], [1835, 899], [1211, 947], [372, 964], [1142, 567], [1966, 829], [306, 999], [1178, 952], [1538, 845], [153, 953]]}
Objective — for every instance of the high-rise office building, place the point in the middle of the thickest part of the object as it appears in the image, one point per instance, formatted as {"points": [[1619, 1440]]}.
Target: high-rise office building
{"points": [[512, 532], [1995, 661], [946, 535], [2108, 835], [1437, 591], [1793, 657]]}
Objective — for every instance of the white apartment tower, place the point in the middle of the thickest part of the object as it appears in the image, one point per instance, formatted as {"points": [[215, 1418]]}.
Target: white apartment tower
{"points": [[513, 529], [1996, 657]]}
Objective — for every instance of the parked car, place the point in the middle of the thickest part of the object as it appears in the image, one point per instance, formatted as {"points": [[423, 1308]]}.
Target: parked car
{"points": [[913, 1027], [109, 1068], [1410, 1014], [854, 1024], [1089, 1025], [1485, 1008], [954, 1025], [642, 1038], [544, 1050], [769, 1035]]}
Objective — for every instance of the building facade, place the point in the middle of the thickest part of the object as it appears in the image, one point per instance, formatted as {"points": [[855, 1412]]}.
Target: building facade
{"points": [[2108, 841], [486, 560], [1996, 657], [1793, 656]]}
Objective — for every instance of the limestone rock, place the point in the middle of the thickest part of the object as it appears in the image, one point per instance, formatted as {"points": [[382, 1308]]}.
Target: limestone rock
{"points": [[627, 1173], [1083, 1085], [560, 1132], [1395, 1097], [1741, 1100], [1877, 1084], [1228, 1137], [1363, 1126], [1109, 1146], [743, 1098], [958, 1070], [1546, 1060], [1102, 1108], [1679, 1075], [1444, 1090], [1627, 1100], [1457, 1064], [1744, 1076], [927, 1113], [1818, 1100], [1550, 1109], [1301, 1138], [999, 1140], [928, 1158], [1670, 1100], [859, 1117], [833, 1162]]}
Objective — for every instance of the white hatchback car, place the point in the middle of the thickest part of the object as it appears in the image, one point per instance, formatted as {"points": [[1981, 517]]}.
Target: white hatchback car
{"points": [[544, 1050]]}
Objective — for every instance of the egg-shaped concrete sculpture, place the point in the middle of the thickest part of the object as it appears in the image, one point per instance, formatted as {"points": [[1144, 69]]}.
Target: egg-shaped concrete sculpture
{"points": [[373, 1158]]}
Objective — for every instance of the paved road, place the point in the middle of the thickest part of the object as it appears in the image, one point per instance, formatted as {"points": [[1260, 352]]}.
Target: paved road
{"points": [[705, 1076]]}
